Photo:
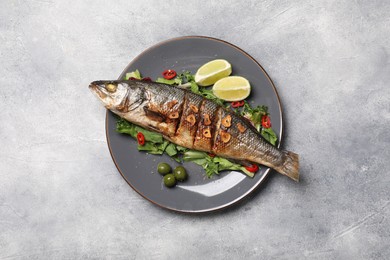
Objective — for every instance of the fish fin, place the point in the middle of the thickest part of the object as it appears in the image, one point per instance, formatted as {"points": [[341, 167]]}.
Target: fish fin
{"points": [[290, 166]]}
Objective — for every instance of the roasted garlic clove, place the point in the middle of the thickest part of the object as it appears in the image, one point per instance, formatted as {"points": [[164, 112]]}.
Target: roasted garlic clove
{"points": [[191, 119], [241, 128], [227, 121], [207, 133], [173, 115], [225, 136], [206, 119], [194, 108]]}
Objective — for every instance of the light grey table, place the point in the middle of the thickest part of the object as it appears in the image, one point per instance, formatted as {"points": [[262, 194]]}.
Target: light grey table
{"points": [[61, 196]]}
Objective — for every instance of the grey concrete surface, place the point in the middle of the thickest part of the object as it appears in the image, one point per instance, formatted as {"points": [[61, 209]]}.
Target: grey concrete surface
{"points": [[61, 196]]}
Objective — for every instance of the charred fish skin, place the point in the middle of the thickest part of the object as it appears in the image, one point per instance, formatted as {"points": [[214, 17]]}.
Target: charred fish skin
{"points": [[208, 118], [189, 120], [186, 131]]}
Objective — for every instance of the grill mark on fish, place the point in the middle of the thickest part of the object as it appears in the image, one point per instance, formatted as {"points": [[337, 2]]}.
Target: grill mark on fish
{"points": [[216, 137], [207, 117], [180, 110], [199, 138], [154, 115], [195, 108], [188, 124]]}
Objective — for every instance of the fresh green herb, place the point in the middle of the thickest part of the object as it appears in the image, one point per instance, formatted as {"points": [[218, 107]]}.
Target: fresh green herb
{"points": [[182, 78], [134, 74], [153, 148], [171, 149], [254, 114], [213, 165], [125, 127], [225, 164], [194, 87], [207, 93], [186, 76], [202, 159], [181, 149], [155, 143], [192, 155], [169, 81], [269, 135]]}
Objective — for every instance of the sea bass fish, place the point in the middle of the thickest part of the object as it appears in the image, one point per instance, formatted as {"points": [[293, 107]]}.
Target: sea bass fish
{"points": [[189, 120]]}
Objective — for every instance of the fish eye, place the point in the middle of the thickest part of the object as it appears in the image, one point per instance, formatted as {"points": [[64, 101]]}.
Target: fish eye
{"points": [[111, 87]]}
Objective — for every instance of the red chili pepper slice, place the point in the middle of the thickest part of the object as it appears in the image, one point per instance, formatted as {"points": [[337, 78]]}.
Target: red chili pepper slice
{"points": [[140, 138], [211, 155], [146, 79], [266, 121], [252, 168], [236, 104], [169, 74], [132, 78]]}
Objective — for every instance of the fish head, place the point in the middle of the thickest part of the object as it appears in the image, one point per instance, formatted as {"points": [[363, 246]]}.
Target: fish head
{"points": [[118, 96]]}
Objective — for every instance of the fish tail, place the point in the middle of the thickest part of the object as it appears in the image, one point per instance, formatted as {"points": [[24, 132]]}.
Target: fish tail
{"points": [[290, 166]]}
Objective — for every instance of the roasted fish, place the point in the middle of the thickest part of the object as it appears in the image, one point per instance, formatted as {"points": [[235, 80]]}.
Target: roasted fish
{"points": [[189, 120]]}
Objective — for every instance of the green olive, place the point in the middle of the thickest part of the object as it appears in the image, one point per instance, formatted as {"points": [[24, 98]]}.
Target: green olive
{"points": [[169, 180], [163, 168], [180, 173]]}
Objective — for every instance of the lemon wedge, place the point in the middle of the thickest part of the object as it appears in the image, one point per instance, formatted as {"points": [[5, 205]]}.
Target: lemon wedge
{"points": [[233, 88], [212, 71]]}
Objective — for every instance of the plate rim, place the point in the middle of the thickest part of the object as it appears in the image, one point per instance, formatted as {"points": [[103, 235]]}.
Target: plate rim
{"points": [[266, 173]]}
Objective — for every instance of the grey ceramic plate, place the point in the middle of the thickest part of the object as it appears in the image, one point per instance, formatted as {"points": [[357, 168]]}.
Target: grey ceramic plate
{"points": [[198, 193]]}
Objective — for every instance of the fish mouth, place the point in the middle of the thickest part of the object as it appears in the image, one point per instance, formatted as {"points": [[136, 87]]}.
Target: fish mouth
{"points": [[96, 85], [97, 89]]}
